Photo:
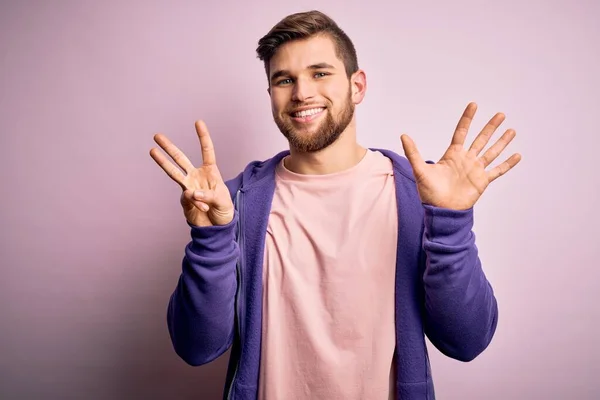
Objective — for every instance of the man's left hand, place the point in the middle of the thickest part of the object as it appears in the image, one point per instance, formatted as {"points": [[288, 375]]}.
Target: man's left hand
{"points": [[459, 178]]}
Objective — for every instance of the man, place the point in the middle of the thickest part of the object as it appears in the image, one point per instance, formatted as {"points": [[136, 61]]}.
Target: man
{"points": [[325, 266]]}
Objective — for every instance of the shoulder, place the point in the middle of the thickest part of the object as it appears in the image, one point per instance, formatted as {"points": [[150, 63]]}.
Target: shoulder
{"points": [[400, 163], [254, 171]]}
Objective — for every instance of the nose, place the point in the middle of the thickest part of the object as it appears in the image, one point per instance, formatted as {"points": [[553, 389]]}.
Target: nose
{"points": [[303, 90]]}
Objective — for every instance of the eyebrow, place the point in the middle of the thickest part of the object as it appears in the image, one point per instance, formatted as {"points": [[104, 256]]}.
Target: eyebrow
{"points": [[284, 72]]}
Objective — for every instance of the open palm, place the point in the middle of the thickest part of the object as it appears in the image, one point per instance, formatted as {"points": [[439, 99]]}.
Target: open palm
{"points": [[460, 177]]}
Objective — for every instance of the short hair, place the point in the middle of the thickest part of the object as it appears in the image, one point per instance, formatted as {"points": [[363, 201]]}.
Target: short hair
{"points": [[305, 25]]}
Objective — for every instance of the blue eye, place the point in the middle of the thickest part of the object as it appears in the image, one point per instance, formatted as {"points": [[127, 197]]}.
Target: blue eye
{"points": [[321, 74], [284, 81]]}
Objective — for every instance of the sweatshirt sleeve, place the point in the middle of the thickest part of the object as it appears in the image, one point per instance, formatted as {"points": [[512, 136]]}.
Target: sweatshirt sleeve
{"points": [[461, 312], [201, 310]]}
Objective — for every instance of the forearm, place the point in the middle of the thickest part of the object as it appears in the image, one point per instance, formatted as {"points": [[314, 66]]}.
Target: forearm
{"points": [[201, 310], [460, 307]]}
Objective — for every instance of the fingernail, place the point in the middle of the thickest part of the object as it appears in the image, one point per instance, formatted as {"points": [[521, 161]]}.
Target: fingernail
{"points": [[198, 194]]}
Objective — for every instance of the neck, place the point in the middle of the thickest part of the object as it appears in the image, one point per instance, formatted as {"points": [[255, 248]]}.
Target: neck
{"points": [[343, 154]]}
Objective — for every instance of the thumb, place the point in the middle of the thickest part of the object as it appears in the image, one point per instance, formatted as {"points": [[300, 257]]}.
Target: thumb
{"points": [[412, 153]]}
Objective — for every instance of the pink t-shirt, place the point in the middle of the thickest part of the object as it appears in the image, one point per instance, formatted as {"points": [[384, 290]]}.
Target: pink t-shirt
{"points": [[329, 277]]}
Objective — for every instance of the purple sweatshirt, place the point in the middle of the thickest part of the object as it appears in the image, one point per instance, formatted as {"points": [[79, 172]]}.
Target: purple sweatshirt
{"points": [[441, 290]]}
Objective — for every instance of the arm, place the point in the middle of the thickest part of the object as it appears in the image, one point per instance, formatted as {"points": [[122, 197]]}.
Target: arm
{"points": [[461, 312], [201, 310]]}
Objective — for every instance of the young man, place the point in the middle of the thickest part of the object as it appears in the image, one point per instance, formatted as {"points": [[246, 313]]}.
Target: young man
{"points": [[325, 266]]}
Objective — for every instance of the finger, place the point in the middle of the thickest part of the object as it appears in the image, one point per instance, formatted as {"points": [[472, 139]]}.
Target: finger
{"points": [[167, 166], [207, 196], [462, 128], [412, 153], [504, 167], [174, 152], [486, 133], [494, 151], [208, 150], [189, 195]]}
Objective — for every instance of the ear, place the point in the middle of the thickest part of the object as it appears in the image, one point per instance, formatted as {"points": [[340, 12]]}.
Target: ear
{"points": [[269, 91], [358, 85]]}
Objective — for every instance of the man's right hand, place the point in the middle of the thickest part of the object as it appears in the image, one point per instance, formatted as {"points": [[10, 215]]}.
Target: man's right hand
{"points": [[206, 201]]}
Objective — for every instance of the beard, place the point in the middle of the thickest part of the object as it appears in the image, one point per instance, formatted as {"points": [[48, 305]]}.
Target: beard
{"points": [[325, 134]]}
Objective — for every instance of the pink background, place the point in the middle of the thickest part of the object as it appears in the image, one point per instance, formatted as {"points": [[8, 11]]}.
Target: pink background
{"points": [[93, 234]]}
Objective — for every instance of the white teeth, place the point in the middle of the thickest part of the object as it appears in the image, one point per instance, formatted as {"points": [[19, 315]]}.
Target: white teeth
{"points": [[306, 113]]}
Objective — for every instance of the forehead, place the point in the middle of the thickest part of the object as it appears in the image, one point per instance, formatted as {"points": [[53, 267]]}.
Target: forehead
{"points": [[299, 54]]}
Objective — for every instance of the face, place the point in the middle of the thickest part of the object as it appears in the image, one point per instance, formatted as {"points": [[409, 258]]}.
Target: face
{"points": [[312, 98]]}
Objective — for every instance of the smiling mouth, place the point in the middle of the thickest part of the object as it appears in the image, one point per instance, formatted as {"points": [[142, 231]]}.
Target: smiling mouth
{"points": [[307, 115]]}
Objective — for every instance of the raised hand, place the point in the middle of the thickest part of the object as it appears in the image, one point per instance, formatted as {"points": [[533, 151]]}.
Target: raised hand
{"points": [[205, 199], [459, 178]]}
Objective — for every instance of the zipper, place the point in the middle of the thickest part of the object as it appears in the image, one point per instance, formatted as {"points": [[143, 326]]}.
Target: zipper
{"points": [[239, 298]]}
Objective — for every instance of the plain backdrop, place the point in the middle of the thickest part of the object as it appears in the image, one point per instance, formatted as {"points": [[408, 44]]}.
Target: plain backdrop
{"points": [[92, 230]]}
